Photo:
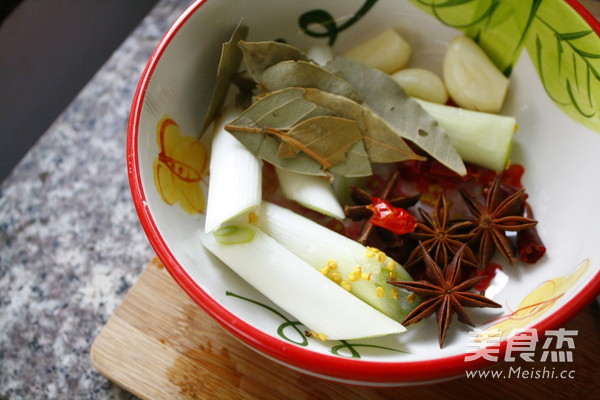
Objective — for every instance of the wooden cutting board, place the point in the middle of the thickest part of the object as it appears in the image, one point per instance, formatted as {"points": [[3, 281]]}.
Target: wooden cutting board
{"points": [[160, 345]]}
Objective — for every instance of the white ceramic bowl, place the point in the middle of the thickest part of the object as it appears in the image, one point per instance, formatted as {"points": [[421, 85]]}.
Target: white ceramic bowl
{"points": [[561, 156]]}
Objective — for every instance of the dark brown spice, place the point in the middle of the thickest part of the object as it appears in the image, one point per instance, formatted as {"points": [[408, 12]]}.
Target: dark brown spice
{"points": [[440, 237], [529, 244], [491, 220], [444, 294]]}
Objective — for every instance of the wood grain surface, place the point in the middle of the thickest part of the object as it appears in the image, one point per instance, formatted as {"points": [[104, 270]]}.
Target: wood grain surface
{"points": [[160, 345]]}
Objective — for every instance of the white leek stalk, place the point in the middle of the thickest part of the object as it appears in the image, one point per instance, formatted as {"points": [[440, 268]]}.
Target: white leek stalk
{"points": [[362, 271], [235, 177], [481, 138], [294, 286], [313, 192]]}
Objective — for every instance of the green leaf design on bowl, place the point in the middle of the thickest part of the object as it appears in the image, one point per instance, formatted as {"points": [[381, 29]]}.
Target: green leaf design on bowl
{"points": [[329, 26], [338, 350], [566, 54], [563, 47], [499, 27]]}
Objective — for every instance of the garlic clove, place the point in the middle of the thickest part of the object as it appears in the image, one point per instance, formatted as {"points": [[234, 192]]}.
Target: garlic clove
{"points": [[388, 52], [321, 54], [422, 84], [471, 78]]}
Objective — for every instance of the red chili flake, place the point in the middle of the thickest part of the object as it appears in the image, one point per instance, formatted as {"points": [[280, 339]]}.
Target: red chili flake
{"points": [[411, 169], [512, 176], [439, 170], [394, 219]]}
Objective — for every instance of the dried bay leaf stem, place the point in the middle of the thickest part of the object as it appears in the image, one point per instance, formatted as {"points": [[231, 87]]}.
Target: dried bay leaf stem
{"points": [[280, 133], [325, 139]]}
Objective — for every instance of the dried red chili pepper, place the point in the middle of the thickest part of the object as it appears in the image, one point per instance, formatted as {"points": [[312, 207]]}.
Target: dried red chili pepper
{"points": [[529, 244], [394, 219]]}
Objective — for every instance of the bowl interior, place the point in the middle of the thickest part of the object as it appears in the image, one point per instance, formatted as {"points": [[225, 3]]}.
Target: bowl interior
{"points": [[560, 157]]}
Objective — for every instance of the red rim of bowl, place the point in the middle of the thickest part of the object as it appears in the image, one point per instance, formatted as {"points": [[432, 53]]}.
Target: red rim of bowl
{"points": [[328, 366]]}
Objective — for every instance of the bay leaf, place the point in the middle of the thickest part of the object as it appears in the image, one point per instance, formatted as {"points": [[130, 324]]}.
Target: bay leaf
{"points": [[267, 148], [280, 110], [285, 108], [354, 163], [258, 56], [286, 150], [388, 100], [229, 63], [326, 139], [320, 145], [279, 113], [382, 143], [357, 163], [307, 75]]}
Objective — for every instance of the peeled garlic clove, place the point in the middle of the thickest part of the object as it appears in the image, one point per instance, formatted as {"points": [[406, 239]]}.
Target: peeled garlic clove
{"points": [[321, 54], [387, 52], [422, 84], [472, 80]]}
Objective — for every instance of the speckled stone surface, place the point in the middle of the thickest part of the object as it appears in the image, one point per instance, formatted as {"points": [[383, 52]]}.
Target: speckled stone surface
{"points": [[70, 241]]}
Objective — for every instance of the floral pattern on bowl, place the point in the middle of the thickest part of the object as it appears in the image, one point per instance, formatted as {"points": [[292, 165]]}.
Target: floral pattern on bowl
{"points": [[536, 304], [181, 164]]}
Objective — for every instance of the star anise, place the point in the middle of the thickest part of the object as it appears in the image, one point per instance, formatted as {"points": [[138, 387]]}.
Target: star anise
{"points": [[440, 237], [491, 220], [444, 294]]}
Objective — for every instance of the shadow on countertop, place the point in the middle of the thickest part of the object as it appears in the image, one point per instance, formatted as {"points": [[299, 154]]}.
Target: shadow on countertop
{"points": [[48, 51]]}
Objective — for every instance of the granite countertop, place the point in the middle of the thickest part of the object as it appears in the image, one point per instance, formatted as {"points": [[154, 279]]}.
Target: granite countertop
{"points": [[70, 241]]}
